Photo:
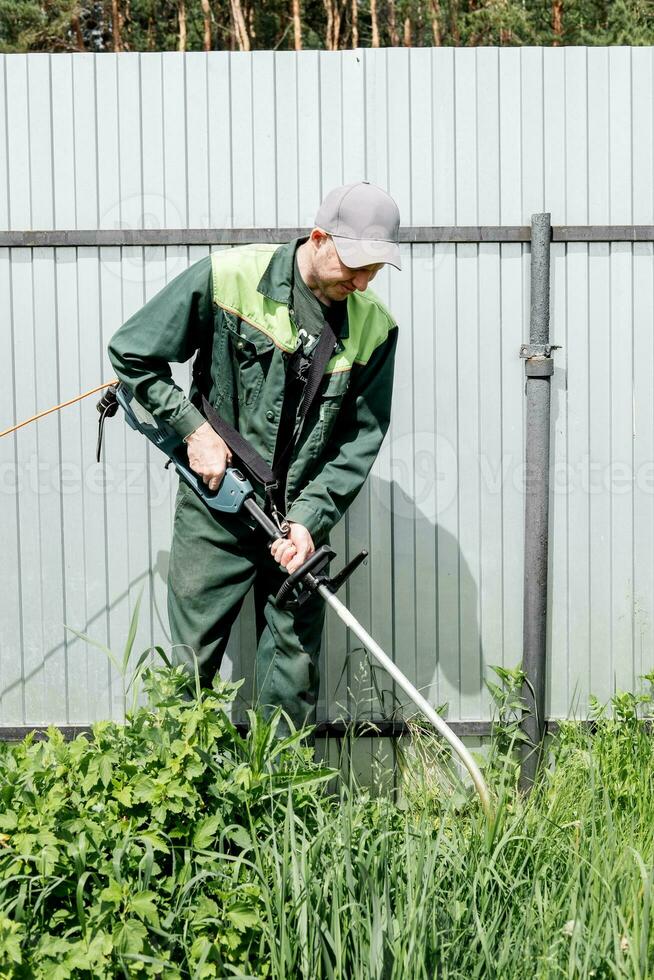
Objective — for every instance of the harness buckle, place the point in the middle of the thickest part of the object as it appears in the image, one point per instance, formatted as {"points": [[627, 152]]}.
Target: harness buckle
{"points": [[279, 519]]}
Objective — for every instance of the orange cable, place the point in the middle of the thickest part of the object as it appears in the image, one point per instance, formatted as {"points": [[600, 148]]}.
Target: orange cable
{"points": [[56, 408]]}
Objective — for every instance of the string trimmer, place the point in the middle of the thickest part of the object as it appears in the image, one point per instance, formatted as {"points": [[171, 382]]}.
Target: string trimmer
{"points": [[235, 495]]}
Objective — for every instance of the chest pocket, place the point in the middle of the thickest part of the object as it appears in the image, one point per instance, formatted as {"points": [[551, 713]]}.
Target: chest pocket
{"points": [[334, 389], [251, 353]]}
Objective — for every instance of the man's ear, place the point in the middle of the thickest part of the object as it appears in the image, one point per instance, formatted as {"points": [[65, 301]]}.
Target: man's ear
{"points": [[318, 237]]}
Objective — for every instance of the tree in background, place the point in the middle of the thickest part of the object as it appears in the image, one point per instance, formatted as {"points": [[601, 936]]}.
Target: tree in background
{"points": [[53, 25], [244, 25], [498, 22]]}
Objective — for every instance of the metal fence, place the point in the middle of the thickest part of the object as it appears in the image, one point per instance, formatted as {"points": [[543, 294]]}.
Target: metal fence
{"points": [[470, 142]]}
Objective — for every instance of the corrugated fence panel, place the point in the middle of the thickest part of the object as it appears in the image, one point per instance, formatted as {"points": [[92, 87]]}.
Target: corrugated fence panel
{"points": [[643, 459], [458, 136]]}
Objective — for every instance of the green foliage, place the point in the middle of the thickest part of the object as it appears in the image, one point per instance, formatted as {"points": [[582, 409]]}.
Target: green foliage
{"points": [[172, 846], [126, 853], [29, 26], [153, 25], [561, 882]]}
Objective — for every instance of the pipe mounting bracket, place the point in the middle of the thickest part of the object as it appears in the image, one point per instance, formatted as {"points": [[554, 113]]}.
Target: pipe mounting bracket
{"points": [[538, 350]]}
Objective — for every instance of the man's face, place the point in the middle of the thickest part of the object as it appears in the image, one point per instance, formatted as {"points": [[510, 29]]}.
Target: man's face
{"points": [[335, 279]]}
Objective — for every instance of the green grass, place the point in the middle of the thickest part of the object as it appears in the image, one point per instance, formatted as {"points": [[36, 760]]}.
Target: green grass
{"points": [[170, 846]]}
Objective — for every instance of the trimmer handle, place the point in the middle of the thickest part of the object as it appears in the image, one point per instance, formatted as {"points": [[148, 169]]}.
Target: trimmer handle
{"points": [[234, 488], [314, 564], [312, 574]]}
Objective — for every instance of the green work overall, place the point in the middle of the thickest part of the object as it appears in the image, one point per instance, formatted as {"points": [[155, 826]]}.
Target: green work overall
{"points": [[233, 310]]}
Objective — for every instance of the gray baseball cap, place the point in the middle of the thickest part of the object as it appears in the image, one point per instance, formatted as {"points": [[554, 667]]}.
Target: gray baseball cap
{"points": [[364, 222]]}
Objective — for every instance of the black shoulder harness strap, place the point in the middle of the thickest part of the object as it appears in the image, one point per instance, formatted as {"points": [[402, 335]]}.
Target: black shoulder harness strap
{"points": [[248, 456]]}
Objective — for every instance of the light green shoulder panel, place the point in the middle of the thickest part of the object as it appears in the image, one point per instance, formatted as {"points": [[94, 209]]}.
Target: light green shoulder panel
{"points": [[369, 325], [236, 275]]}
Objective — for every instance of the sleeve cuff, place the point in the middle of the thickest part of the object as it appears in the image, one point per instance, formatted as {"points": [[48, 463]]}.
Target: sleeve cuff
{"points": [[187, 421], [300, 513]]}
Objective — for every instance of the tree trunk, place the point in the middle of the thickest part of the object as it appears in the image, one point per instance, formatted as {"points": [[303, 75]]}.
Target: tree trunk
{"points": [[355, 24], [240, 29], [125, 20], [392, 25], [150, 35], [557, 21], [233, 44], [77, 31], [334, 19], [297, 25], [454, 24], [116, 25], [330, 24], [206, 17], [407, 32], [338, 18], [436, 23], [181, 17], [375, 23]]}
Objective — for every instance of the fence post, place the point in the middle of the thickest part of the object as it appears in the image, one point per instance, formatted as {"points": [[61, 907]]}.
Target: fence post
{"points": [[539, 368]]}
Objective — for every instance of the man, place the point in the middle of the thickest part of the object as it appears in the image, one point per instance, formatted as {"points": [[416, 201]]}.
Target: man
{"points": [[254, 316]]}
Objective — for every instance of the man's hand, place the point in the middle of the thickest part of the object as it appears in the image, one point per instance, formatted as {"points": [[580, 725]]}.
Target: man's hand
{"points": [[293, 551], [208, 455]]}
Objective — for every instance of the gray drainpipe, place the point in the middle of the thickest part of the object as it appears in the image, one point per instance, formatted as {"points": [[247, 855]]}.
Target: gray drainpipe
{"points": [[539, 368]]}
